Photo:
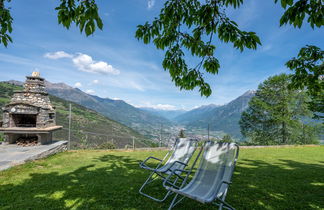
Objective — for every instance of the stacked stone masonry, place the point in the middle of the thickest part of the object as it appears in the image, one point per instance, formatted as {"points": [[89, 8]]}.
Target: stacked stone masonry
{"points": [[30, 108]]}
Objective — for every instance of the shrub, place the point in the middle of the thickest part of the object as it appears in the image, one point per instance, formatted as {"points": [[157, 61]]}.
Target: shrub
{"points": [[107, 145]]}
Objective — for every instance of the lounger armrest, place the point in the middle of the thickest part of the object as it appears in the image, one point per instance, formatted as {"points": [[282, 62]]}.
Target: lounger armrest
{"points": [[177, 162], [174, 173], [223, 182], [226, 182], [143, 164]]}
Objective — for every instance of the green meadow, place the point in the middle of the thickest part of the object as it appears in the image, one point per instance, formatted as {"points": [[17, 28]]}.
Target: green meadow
{"points": [[265, 178]]}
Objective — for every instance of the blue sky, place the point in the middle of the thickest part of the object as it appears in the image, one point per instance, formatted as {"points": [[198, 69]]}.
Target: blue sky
{"points": [[112, 63]]}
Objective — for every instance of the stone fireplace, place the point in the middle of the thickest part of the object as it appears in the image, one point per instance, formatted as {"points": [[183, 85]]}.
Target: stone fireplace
{"points": [[29, 115]]}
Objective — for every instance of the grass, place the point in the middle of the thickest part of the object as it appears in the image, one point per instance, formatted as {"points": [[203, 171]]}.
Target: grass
{"points": [[267, 178]]}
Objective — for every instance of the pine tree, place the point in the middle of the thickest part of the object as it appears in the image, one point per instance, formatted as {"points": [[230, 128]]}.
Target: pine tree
{"points": [[182, 134], [275, 114]]}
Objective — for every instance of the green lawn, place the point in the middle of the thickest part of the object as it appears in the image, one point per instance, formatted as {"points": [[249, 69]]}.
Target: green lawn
{"points": [[268, 178]]}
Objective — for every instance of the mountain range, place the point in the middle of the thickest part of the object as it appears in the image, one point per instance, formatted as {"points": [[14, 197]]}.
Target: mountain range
{"points": [[219, 118], [148, 121], [168, 114], [142, 121], [89, 128]]}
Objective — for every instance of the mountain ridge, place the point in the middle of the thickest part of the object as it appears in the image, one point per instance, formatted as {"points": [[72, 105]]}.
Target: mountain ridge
{"points": [[220, 118], [89, 128], [168, 114], [148, 121], [144, 122]]}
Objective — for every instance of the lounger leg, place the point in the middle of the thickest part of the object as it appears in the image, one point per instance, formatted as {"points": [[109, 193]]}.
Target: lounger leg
{"points": [[148, 181], [223, 204], [175, 201]]}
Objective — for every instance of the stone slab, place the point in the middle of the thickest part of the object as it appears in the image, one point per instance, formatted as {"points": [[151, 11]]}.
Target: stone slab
{"points": [[30, 130], [12, 154]]}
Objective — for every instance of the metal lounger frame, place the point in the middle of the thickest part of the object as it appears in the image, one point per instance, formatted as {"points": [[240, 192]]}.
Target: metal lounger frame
{"points": [[219, 201], [161, 171]]}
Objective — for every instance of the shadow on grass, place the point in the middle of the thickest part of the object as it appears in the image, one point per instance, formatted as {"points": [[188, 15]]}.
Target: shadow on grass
{"points": [[256, 185]]}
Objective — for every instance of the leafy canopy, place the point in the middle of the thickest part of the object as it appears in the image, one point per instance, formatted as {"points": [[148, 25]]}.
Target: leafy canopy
{"points": [[297, 11], [84, 13], [5, 23], [187, 27], [308, 70], [184, 28]]}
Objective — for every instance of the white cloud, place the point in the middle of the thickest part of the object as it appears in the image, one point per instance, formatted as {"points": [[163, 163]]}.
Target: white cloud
{"points": [[167, 107], [95, 81], [90, 92], [150, 4], [78, 85], [57, 55], [85, 63], [116, 98]]}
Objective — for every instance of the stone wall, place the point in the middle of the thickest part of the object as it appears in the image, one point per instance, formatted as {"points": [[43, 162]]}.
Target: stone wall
{"points": [[37, 99], [30, 108], [32, 100]]}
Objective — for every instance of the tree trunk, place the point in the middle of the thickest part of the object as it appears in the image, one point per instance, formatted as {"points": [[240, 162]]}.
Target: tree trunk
{"points": [[284, 133]]}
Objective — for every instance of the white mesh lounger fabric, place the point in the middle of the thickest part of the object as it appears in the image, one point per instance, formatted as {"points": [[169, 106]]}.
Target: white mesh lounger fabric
{"points": [[180, 155], [213, 176]]}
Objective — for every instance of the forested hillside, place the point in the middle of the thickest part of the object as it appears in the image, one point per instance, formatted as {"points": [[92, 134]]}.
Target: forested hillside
{"points": [[89, 128]]}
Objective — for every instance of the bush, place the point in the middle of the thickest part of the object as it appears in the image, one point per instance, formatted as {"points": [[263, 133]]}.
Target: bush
{"points": [[107, 145], [1, 137], [227, 139]]}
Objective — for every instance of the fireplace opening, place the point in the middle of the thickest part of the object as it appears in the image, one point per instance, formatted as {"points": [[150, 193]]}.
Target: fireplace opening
{"points": [[24, 120], [27, 140]]}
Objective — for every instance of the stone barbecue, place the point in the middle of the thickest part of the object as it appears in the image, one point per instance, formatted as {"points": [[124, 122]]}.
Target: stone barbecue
{"points": [[29, 115]]}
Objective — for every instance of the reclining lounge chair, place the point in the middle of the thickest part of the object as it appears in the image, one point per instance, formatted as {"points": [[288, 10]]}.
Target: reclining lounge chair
{"points": [[179, 157], [212, 178]]}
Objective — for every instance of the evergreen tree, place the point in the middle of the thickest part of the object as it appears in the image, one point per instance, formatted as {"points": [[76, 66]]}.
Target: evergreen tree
{"points": [[182, 134], [275, 114]]}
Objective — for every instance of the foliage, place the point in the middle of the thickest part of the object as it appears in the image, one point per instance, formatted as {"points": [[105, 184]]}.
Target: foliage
{"points": [[90, 179], [83, 13], [5, 23], [107, 145], [275, 115], [296, 12], [308, 66], [1, 137], [246, 143], [182, 134], [182, 27], [308, 70], [227, 138]]}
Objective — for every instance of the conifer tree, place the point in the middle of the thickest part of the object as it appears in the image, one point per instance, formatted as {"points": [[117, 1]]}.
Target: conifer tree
{"points": [[276, 114], [182, 134]]}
